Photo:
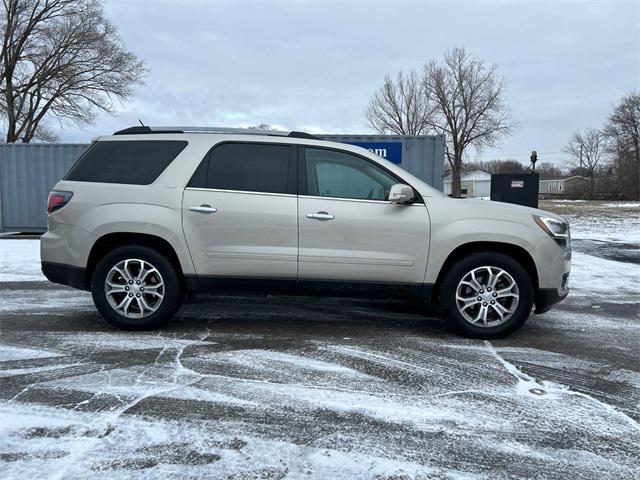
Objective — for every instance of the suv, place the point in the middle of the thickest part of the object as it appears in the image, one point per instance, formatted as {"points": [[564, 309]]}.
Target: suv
{"points": [[146, 216]]}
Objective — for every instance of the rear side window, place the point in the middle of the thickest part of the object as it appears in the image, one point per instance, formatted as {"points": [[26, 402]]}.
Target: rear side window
{"points": [[137, 162], [248, 167]]}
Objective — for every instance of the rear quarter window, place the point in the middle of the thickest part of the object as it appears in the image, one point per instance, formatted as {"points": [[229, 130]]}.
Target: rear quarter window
{"points": [[137, 162]]}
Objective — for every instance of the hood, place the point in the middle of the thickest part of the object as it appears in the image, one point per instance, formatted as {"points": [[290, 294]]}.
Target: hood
{"points": [[492, 209]]}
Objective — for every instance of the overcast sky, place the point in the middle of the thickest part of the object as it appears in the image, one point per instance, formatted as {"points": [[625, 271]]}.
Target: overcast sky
{"points": [[314, 65]]}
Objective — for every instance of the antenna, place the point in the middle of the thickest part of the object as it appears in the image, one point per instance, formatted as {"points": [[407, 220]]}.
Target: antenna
{"points": [[141, 122]]}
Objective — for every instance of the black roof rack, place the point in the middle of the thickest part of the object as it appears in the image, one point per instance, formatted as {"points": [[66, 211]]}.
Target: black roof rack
{"points": [[141, 130], [138, 130], [303, 135]]}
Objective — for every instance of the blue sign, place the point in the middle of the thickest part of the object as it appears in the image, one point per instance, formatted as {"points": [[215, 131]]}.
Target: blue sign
{"points": [[391, 151]]}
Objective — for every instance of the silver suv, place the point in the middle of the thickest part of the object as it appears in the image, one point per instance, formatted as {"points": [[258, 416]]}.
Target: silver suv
{"points": [[148, 215]]}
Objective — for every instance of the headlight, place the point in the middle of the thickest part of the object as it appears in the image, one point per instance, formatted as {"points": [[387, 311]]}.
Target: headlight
{"points": [[554, 227]]}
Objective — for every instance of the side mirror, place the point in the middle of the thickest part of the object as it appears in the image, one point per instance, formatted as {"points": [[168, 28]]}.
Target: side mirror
{"points": [[401, 193]]}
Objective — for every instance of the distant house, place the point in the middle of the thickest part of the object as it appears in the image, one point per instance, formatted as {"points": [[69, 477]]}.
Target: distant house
{"points": [[575, 185], [473, 184]]}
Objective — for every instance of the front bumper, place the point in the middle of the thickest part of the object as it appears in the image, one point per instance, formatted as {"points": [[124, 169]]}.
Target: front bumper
{"points": [[553, 262], [548, 297]]}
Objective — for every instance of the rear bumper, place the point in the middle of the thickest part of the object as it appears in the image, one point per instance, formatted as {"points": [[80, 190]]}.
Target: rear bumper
{"points": [[65, 274], [547, 298]]}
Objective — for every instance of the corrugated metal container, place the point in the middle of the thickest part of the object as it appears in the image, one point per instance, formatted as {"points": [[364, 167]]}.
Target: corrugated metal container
{"points": [[27, 174], [421, 155]]}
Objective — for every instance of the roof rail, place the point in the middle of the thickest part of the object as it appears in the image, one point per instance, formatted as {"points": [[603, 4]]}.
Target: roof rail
{"points": [[140, 130], [303, 135], [246, 131]]}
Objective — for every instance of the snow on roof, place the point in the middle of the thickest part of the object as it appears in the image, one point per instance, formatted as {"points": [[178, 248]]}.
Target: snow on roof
{"points": [[473, 175]]}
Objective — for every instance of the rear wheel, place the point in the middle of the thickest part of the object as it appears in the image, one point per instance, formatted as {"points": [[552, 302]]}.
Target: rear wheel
{"points": [[487, 295], [135, 288]]}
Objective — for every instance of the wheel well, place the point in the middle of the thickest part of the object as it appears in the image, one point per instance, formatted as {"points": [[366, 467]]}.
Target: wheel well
{"points": [[517, 253], [111, 241]]}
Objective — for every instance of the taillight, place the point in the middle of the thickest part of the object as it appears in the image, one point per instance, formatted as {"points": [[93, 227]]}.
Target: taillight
{"points": [[57, 200]]}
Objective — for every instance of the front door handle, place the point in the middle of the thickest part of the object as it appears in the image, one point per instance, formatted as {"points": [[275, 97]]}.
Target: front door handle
{"points": [[204, 209], [320, 216]]}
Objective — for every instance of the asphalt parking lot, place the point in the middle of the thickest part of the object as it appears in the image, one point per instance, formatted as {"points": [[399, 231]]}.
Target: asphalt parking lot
{"points": [[274, 387]]}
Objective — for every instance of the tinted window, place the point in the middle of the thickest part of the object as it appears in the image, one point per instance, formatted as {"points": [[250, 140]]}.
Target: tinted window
{"points": [[336, 174], [137, 162], [250, 167]]}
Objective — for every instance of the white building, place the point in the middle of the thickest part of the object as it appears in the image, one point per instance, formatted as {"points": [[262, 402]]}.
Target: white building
{"points": [[473, 184]]}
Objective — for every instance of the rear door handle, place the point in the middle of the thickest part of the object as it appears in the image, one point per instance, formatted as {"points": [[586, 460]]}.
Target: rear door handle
{"points": [[204, 209], [320, 216]]}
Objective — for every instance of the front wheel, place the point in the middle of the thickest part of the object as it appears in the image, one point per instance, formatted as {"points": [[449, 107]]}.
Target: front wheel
{"points": [[135, 288], [487, 295]]}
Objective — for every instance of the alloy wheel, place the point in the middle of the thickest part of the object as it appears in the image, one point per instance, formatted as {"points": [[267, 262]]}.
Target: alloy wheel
{"points": [[134, 288], [487, 296]]}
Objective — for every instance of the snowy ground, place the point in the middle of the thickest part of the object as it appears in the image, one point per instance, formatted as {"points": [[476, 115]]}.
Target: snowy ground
{"points": [[249, 387]]}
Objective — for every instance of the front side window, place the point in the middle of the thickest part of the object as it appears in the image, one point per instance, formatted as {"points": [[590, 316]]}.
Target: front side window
{"points": [[250, 168], [341, 175], [133, 162]]}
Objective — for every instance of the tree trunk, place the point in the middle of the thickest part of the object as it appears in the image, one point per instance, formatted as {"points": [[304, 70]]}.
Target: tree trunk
{"points": [[637, 147], [456, 187], [591, 186]]}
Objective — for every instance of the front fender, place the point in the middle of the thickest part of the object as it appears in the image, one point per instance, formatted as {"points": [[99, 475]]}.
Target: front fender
{"points": [[448, 236]]}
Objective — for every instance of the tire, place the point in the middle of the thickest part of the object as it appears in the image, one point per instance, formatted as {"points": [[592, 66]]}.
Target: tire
{"points": [[512, 291], [144, 305]]}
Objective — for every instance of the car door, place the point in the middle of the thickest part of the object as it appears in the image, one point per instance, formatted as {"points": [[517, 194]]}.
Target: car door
{"points": [[240, 214], [349, 231]]}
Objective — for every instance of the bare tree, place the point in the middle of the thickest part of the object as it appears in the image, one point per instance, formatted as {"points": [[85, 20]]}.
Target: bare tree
{"points": [[467, 106], [461, 98], [496, 166], [262, 126], [548, 171], [399, 106], [587, 149], [60, 58], [623, 130]]}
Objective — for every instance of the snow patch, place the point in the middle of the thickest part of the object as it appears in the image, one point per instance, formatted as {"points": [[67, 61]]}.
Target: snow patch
{"points": [[45, 302], [9, 353], [125, 341], [621, 205], [27, 370], [20, 261], [594, 277], [267, 359]]}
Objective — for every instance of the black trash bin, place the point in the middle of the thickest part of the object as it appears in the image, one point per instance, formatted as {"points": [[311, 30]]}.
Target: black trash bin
{"points": [[518, 188]]}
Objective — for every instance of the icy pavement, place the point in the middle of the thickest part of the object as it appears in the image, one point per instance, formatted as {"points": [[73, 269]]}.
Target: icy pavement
{"points": [[227, 392], [253, 387]]}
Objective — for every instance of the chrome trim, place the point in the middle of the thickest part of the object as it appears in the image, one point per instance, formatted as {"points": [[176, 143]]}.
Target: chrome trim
{"points": [[359, 200], [198, 189], [203, 209], [320, 216], [362, 200]]}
